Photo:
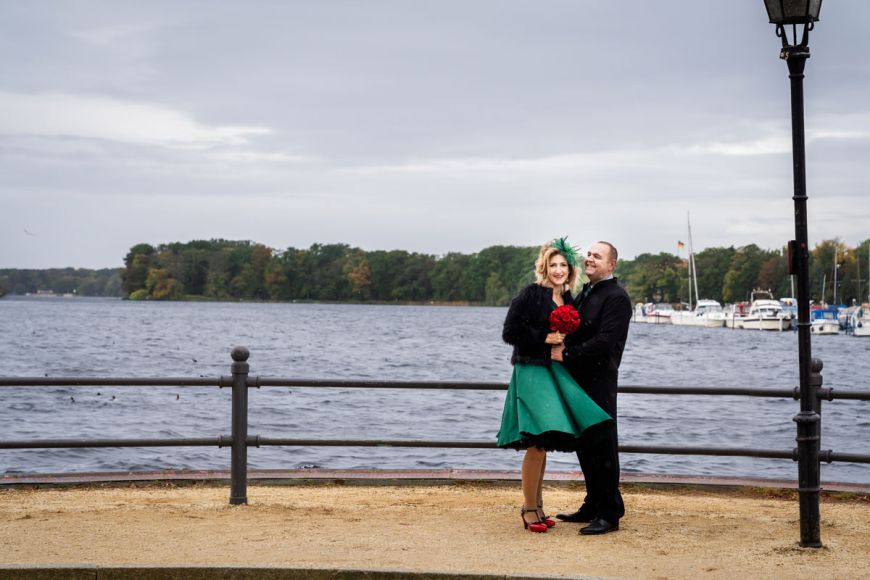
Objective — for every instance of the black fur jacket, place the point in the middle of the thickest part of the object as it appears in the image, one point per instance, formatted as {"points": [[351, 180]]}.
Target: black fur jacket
{"points": [[528, 323]]}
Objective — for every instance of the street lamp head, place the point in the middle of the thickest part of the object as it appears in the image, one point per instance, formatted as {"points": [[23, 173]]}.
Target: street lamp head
{"points": [[783, 12], [793, 12]]}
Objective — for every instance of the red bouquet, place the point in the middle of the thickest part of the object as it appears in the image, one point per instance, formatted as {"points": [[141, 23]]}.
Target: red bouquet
{"points": [[564, 319]]}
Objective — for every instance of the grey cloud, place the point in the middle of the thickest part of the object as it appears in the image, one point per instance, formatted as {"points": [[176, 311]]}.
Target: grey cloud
{"points": [[389, 124]]}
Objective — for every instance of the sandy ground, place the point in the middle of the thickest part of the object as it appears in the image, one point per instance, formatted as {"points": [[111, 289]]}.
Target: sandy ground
{"points": [[463, 527]]}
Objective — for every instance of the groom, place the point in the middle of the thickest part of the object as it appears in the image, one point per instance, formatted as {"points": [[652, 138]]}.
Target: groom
{"points": [[592, 355]]}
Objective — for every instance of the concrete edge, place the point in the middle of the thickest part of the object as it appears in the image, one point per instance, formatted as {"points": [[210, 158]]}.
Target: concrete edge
{"points": [[95, 572], [407, 477]]}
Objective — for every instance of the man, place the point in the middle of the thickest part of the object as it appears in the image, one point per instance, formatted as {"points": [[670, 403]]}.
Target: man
{"points": [[592, 355]]}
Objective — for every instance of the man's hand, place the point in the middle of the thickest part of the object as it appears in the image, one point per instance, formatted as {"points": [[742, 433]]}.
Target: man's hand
{"points": [[556, 352]]}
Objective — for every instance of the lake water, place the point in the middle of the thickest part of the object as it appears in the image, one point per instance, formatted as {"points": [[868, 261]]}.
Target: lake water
{"points": [[101, 337]]}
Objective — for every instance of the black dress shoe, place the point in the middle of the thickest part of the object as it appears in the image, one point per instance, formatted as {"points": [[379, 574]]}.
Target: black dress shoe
{"points": [[580, 516], [599, 526]]}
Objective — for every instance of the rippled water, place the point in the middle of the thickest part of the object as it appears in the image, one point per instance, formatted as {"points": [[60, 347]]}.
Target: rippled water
{"points": [[83, 337]]}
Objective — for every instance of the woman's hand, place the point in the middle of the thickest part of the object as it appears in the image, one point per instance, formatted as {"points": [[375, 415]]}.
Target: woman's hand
{"points": [[555, 338]]}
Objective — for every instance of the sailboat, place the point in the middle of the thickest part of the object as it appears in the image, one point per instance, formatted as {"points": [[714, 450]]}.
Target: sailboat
{"points": [[824, 318], [859, 321], [707, 313]]}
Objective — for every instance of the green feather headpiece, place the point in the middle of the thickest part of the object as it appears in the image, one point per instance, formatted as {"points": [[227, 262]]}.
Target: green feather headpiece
{"points": [[569, 253]]}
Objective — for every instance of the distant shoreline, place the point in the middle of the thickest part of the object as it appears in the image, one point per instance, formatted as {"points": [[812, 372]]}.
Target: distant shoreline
{"points": [[215, 300]]}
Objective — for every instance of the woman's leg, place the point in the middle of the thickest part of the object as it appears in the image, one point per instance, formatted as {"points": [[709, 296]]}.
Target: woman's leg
{"points": [[533, 463], [541, 485]]}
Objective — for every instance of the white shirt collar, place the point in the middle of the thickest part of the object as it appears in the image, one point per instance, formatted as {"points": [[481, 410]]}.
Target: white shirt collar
{"points": [[609, 277]]}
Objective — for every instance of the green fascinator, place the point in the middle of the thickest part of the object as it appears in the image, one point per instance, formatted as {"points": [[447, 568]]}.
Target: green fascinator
{"points": [[569, 253]]}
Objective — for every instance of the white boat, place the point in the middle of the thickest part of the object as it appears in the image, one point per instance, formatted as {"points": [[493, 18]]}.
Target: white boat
{"points": [[640, 313], [766, 313], [707, 313], [659, 313], [859, 322], [789, 310], [735, 313], [824, 321], [682, 317], [859, 319]]}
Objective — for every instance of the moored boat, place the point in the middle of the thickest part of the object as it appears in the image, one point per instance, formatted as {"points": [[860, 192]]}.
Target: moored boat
{"points": [[824, 321], [659, 313], [640, 310], [765, 313], [789, 310], [707, 313], [859, 321], [735, 313]]}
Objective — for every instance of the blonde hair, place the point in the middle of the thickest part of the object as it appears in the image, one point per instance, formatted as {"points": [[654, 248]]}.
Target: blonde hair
{"points": [[544, 256]]}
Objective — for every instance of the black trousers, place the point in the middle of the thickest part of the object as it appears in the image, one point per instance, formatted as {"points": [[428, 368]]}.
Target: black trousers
{"points": [[599, 460]]}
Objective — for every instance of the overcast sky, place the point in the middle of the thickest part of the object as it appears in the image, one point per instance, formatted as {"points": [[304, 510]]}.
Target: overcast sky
{"points": [[431, 126]]}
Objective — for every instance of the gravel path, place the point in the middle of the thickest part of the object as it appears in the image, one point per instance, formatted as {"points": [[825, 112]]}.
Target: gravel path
{"points": [[463, 527]]}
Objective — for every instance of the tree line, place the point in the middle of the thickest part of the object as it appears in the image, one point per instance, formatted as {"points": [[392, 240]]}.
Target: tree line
{"points": [[78, 281], [244, 270]]}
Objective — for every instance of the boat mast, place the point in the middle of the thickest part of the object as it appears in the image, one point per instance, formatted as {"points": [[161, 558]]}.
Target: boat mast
{"points": [[693, 272], [689, 268], [689, 281], [834, 279], [824, 279]]}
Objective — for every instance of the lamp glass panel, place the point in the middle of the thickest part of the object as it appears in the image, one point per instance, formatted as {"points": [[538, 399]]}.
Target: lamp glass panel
{"points": [[793, 11], [774, 10]]}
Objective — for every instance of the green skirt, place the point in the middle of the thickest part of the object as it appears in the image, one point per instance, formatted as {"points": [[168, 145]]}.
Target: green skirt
{"points": [[546, 408]]}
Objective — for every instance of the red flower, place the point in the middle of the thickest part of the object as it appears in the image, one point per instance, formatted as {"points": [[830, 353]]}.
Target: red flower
{"points": [[564, 319]]}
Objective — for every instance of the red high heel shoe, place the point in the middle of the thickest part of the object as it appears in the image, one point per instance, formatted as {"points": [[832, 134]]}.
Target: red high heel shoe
{"points": [[536, 526], [550, 522]]}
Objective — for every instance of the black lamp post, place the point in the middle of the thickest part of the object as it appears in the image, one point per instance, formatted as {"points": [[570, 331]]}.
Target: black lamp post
{"points": [[798, 16]]}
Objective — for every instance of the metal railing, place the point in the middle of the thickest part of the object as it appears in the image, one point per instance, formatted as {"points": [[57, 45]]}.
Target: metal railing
{"points": [[239, 440]]}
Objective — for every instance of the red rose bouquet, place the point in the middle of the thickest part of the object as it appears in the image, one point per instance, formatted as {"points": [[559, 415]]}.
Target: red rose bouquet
{"points": [[564, 319]]}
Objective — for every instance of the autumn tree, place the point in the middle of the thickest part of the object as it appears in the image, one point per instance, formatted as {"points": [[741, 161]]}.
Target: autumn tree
{"points": [[136, 264]]}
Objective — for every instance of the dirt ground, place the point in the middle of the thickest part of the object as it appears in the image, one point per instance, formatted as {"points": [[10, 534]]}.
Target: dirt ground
{"points": [[462, 527]]}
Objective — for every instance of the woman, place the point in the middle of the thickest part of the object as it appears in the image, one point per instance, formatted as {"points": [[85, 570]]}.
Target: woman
{"points": [[545, 410]]}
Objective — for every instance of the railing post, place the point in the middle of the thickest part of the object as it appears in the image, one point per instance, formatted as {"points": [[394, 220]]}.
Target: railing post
{"points": [[809, 436], [816, 385], [239, 463]]}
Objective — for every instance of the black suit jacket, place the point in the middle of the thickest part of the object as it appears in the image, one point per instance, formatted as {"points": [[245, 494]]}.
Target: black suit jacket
{"points": [[593, 352]]}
